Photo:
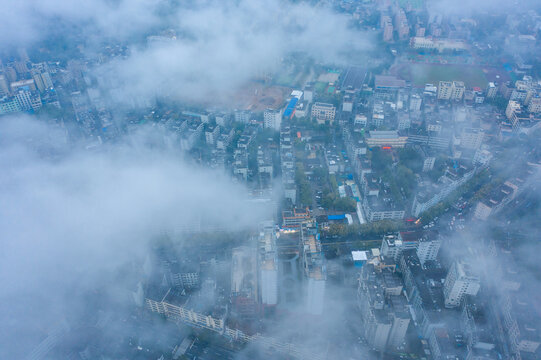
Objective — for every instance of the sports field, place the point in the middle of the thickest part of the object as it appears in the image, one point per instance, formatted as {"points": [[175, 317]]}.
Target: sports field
{"points": [[421, 74]]}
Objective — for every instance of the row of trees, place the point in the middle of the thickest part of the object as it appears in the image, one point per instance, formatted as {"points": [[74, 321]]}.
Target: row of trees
{"points": [[373, 230], [305, 190]]}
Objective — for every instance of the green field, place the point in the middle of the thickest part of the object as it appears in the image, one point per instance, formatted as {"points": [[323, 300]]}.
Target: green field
{"points": [[285, 79], [421, 74], [320, 86]]}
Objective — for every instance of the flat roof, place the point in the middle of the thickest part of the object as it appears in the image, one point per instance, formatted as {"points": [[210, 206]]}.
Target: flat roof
{"points": [[359, 255]]}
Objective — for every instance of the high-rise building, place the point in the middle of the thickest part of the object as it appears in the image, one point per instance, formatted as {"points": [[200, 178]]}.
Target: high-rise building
{"points": [[471, 138], [535, 105], [268, 266], [458, 90], [387, 27], [4, 88], [428, 247], [399, 327], [451, 90], [428, 163], [309, 93], [9, 105], [24, 99], [42, 78], [415, 102], [314, 268], [445, 90], [347, 105], [401, 24], [382, 306], [512, 107], [460, 281], [244, 288], [425, 243], [492, 90], [272, 119]]}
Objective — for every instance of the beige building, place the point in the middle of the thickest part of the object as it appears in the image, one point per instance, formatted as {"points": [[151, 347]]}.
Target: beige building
{"points": [[437, 44], [387, 27], [471, 138], [386, 138], [535, 105], [451, 90], [323, 112]]}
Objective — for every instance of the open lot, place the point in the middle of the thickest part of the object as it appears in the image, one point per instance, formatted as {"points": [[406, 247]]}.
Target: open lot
{"points": [[256, 96]]}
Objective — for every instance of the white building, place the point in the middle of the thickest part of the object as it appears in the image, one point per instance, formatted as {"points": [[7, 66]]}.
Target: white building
{"points": [[315, 296], [404, 121], [535, 105], [492, 90], [314, 269], [428, 163], [398, 330], [272, 119], [427, 249], [415, 102], [451, 90], [471, 138], [360, 120], [268, 269], [347, 105], [459, 282], [512, 107]]}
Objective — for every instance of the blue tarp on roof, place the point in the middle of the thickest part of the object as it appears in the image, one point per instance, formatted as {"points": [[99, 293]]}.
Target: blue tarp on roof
{"points": [[290, 107]]}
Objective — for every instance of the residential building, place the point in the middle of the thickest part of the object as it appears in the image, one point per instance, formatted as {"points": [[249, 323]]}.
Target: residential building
{"points": [[426, 244], [27, 100], [9, 105], [244, 281], [415, 102], [211, 134], [382, 306], [429, 194], [315, 270], [471, 138], [272, 119], [535, 105], [268, 266], [492, 90], [460, 281], [41, 76], [428, 163], [347, 104], [512, 107], [4, 88], [387, 27], [521, 324]]}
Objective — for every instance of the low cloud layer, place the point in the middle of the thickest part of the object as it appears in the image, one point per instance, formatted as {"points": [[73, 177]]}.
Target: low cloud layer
{"points": [[468, 8], [69, 219], [221, 45], [29, 21]]}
